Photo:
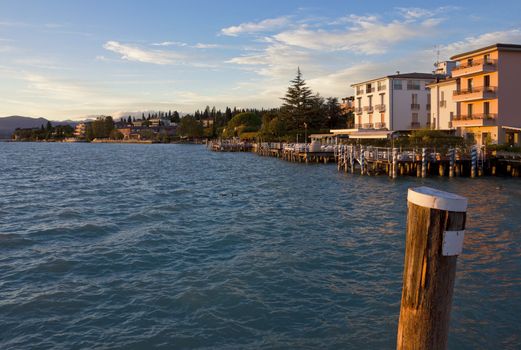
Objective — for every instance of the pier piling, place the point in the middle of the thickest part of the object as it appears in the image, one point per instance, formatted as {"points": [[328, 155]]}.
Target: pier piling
{"points": [[434, 239]]}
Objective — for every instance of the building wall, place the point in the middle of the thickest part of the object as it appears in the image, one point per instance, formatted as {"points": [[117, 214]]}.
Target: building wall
{"points": [[402, 113], [441, 112], [509, 95]]}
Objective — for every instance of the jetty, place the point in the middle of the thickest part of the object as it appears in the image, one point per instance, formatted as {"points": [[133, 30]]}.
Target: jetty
{"points": [[472, 161]]}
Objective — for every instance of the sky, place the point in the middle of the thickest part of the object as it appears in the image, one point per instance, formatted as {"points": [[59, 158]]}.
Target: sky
{"points": [[74, 59]]}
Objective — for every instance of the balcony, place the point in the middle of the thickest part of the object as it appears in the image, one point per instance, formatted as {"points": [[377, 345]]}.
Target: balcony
{"points": [[413, 87], [382, 87], [368, 109], [474, 67], [443, 104], [379, 126], [415, 106], [474, 93], [415, 125], [358, 110], [368, 126], [370, 89], [358, 126], [380, 108], [482, 119], [359, 91]]}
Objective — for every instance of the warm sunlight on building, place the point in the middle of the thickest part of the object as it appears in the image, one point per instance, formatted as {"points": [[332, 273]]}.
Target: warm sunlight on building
{"points": [[487, 94]]}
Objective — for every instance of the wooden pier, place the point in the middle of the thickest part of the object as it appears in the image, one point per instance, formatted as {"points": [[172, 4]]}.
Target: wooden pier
{"points": [[420, 162], [392, 162]]}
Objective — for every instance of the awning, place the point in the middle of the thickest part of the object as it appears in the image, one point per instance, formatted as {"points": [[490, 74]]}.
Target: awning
{"points": [[363, 134], [511, 128]]}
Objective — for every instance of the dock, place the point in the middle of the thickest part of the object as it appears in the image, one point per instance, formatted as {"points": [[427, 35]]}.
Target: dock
{"points": [[393, 162]]}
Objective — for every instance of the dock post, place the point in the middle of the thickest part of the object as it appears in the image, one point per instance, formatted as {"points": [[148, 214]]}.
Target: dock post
{"points": [[424, 162], [346, 164], [474, 161], [434, 239], [352, 159], [362, 161], [451, 164], [395, 163]]}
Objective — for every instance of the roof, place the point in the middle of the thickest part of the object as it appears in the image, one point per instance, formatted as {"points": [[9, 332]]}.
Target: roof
{"points": [[443, 81], [414, 75], [506, 47]]}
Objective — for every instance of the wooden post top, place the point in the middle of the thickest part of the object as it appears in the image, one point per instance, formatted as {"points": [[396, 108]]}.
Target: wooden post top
{"points": [[435, 199]]}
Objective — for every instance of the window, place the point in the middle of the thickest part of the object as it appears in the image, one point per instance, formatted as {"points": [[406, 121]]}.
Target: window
{"points": [[442, 95], [359, 102], [486, 81], [469, 62], [414, 98], [469, 110], [370, 101], [470, 85], [382, 99], [486, 108], [397, 84], [413, 85], [486, 58], [415, 118]]}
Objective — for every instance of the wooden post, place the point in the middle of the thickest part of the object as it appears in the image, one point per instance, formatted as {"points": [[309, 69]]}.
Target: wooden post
{"points": [[435, 230], [395, 163], [352, 159], [452, 153], [474, 161], [424, 162]]}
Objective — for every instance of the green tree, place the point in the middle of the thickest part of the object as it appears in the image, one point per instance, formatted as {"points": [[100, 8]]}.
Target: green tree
{"points": [[190, 127], [298, 104]]}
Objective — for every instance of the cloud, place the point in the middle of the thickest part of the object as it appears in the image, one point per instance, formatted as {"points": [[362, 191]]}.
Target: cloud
{"points": [[367, 35], [255, 27], [206, 46], [482, 40], [170, 43], [134, 53], [413, 13]]}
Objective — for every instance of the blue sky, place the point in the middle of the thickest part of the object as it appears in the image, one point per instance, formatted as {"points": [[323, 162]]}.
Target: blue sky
{"points": [[71, 59]]}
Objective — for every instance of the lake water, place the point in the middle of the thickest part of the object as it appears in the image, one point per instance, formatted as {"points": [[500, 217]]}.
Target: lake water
{"points": [[114, 246]]}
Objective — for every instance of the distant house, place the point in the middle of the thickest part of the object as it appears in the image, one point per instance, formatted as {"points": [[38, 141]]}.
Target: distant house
{"points": [[79, 131], [348, 104], [207, 123]]}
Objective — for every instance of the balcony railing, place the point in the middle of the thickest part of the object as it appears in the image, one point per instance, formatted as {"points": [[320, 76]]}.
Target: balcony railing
{"points": [[379, 125], [369, 90], [415, 106], [415, 125], [380, 108], [359, 91], [368, 125], [358, 110], [358, 126], [487, 116], [476, 62], [443, 103], [489, 89], [382, 87], [413, 87], [368, 109]]}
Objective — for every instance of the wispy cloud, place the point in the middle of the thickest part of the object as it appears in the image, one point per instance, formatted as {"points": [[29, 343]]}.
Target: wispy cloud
{"points": [[266, 25], [206, 46], [137, 54], [170, 43], [475, 42]]}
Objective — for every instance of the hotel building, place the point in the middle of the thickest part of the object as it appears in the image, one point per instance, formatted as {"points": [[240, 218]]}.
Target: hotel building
{"points": [[486, 92], [393, 102]]}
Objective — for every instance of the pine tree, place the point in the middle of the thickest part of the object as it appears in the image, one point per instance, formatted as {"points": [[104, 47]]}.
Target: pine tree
{"points": [[298, 105]]}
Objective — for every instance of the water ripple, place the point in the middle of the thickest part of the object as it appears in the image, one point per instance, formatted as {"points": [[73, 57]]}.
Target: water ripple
{"points": [[170, 246]]}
